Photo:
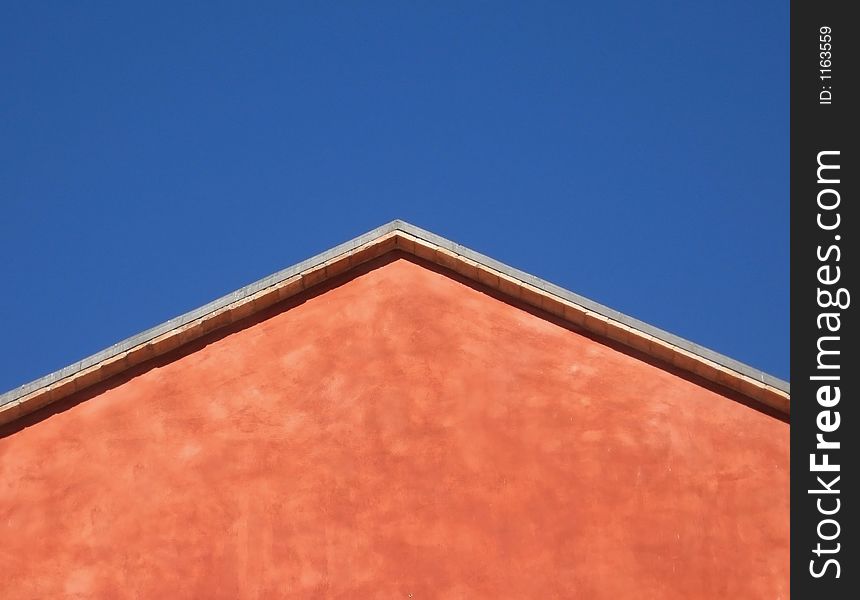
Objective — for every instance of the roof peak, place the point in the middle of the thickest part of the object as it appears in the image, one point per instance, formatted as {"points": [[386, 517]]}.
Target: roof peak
{"points": [[397, 234]]}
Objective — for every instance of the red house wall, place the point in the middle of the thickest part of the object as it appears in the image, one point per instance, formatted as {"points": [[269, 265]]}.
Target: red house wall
{"points": [[402, 434]]}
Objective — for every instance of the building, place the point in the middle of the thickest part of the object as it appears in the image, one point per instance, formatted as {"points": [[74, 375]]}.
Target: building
{"points": [[399, 417]]}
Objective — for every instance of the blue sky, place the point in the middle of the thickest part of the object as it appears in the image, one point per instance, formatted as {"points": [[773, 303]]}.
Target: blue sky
{"points": [[154, 157]]}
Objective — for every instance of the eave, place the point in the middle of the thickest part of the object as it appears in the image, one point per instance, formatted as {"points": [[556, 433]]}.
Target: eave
{"points": [[581, 312]]}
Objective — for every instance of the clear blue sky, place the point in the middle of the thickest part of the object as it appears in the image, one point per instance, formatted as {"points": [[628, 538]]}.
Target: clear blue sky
{"points": [[154, 157]]}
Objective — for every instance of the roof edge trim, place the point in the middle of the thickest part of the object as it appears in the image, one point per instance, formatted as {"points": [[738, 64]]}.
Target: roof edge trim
{"points": [[396, 234]]}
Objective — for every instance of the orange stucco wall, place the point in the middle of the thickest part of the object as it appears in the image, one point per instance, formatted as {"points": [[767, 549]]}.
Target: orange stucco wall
{"points": [[400, 435]]}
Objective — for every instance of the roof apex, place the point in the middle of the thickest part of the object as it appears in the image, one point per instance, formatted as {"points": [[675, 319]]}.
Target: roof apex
{"points": [[397, 235]]}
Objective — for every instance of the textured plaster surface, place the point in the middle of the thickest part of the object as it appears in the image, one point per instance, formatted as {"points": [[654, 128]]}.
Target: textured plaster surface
{"points": [[401, 434]]}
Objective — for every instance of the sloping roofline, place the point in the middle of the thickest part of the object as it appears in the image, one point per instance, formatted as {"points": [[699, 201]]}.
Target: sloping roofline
{"points": [[571, 307]]}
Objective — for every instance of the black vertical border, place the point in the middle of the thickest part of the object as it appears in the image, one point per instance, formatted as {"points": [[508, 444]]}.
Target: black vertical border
{"points": [[817, 127]]}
